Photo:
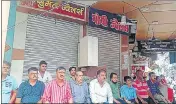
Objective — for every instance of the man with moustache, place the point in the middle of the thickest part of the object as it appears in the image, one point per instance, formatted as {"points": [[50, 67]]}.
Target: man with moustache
{"points": [[142, 90], [31, 91], [80, 91], [100, 90], [9, 84], [58, 90], [115, 89]]}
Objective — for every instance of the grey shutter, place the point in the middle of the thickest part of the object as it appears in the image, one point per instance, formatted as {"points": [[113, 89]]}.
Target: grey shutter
{"points": [[55, 41], [108, 49]]}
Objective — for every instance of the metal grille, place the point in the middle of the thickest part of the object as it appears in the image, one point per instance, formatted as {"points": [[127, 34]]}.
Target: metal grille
{"points": [[108, 48], [55, 41]]}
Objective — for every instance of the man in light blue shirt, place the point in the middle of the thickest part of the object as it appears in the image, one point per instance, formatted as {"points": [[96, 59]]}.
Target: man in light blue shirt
{"points": [[80, 91], [9, 85], [128, 93]]}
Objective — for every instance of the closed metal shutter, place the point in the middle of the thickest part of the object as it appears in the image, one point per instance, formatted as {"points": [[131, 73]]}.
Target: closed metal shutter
{"points": [[108, 49], [55, 41]]}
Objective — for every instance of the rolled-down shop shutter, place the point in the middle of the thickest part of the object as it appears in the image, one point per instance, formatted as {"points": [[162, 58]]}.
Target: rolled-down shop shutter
{"points": [[108, 49], [55, 41]]}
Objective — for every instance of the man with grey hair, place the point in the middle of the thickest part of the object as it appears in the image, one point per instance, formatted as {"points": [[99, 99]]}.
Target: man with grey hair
{"points": [[80, 91], [58, 90], [9, 84]]}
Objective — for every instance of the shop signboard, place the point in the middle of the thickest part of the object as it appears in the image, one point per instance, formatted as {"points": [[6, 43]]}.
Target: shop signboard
{"points": [[64, 8], [107, 21], [135, 67], [167, 44]]}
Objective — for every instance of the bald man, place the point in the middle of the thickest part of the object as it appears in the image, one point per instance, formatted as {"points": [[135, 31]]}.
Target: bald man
{"points": [[80, 90]]}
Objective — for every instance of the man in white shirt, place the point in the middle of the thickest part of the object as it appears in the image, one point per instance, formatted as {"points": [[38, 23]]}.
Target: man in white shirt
{"points": [[100, 90], [43, 75]]}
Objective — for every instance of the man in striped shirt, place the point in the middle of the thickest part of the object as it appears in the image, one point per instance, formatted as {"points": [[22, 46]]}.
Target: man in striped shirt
{"points": [[58, 90], [142, 89]]}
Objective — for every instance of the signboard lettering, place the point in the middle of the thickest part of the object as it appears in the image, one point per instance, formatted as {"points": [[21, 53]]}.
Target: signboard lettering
{"points": [[107, 21], [64, 8]]}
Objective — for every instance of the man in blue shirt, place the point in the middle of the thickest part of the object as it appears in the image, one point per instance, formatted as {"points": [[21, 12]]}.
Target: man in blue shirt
{"points": [[9, 85], [128, 93], [32, 90], [80, 91], [154, 88]]}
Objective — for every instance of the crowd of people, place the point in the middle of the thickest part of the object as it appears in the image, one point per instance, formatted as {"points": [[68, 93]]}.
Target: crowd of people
{"points": [[42, 88]]}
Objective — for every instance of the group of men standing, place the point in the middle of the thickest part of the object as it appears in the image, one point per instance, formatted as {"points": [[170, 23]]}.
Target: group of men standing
{"points": [[41, 88]]}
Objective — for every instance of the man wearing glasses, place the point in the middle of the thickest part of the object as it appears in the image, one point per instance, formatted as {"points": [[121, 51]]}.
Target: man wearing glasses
{"points": [[44, 75], [100, 90], [31, 91]]}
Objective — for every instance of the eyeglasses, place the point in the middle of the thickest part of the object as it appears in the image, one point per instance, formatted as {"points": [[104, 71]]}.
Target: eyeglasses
{"points": [[129, 80]]}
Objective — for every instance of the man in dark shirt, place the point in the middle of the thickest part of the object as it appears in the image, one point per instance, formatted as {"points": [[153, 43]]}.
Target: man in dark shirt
{"points": [[154, 88], [32, 90]]}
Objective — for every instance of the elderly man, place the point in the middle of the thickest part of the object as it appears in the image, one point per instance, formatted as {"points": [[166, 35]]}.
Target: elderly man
{"points": [[100, 90], [9, 84], [31, 91], [80, 91], [58, 90]]}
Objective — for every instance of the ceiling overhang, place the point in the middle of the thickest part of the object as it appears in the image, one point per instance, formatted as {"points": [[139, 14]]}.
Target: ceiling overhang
{"points": [[154, 18]]}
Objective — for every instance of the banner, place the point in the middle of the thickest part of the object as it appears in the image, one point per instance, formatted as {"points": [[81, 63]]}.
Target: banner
{"points": [[166, 44], [107, 21], [134, 68], [64, 8]]}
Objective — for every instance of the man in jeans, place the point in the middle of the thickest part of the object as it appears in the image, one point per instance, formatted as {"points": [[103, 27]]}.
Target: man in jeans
{"points": [[154, 88], [142, 89], [115, 89]]}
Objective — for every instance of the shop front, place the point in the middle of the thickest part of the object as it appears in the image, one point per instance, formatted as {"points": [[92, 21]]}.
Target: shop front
{"points": [[106, 27], [51, 33]]}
